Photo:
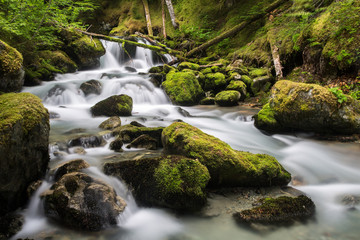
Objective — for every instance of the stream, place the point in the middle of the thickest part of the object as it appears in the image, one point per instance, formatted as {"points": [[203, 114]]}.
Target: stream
{"points": [[328, 170]]}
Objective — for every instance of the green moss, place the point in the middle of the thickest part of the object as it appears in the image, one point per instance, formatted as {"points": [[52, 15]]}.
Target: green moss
{"points": [[117, 105], [207, 101], [206, 71], [214, 81], [20, 108], [183, 88], [239, 86], [227, 167], [247, 80], [11, 61], [178, 175], [227, 98], [258, 72], [188, 65]]}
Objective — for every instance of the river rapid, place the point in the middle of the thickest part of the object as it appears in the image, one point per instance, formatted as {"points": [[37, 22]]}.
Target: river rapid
{"points": [[328, 171]]}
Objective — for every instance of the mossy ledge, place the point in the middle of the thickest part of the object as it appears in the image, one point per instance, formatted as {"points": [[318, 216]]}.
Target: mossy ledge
{"points": [[227, 166]]}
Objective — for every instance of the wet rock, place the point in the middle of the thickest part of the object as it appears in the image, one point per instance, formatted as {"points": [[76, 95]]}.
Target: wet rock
{"points": [[116, 145], [112, 75], [82, 202], [183, 88], [10, 224], [78, 150], [308, 107], [33, 187], [11, 69], [137, 124], [144, 141], [55, 91], [157, 79], [128, 133], [157, 69], [111, 123], [130, 69], [227, 166], [278, 211], [173, 181], [68, 167], [54, 115], [117, 105], [351, 201], [91, 87], [183, 112], [227, 98], [24, 147], [87, 141]]}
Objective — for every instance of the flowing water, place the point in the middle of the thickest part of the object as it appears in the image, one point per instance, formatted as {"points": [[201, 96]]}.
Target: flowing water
{"points": [[329, 170]]}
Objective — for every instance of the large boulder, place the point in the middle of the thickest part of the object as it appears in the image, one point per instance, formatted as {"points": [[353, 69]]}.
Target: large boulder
{"points": [[283, 210], [82, 202], [129, 133], [117, 105], [227, 166], [86, 51], [175, 182], [183, 88], [11, 69], [239, 86], [214, 81], [24, 141], [308, 107]]}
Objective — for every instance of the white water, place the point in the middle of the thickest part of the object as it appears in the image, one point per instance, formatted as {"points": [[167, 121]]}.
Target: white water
{"points": [[329, 170]]}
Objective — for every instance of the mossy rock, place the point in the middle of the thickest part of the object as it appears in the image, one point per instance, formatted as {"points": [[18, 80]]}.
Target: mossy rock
{"points": [[227, 166], [188, 65], [59, 60], [171, 181], [239, 86], [129, 133], [157, 69], [206, 71], [258, 72], [238, 67], [274, 211], [117, 105], [214, 81], [168, 68], [260, 84], [308, 107], [207, 101], [86, 52], [227, 98], [183, 88], [24, 146], [117, 144], [11, 69], [144, 141], [68, 167], [247, 80]]}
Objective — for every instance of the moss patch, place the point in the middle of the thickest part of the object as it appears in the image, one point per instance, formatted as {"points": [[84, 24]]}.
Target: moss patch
{"points": [[227, 98]]}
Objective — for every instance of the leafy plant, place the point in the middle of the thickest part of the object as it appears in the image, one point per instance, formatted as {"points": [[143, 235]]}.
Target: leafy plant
{"points": [[338, 94]]}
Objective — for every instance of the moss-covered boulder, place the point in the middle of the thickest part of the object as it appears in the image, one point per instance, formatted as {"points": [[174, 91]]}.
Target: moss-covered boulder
{"points": [[11, 69], [239, 86], [227, 98], [24, 142], [86, 52], [82, 202], [183, 88], [214, 81], [227, 166], [259, 84], [144, 141], [130, 132], [238, 67], [117, 105], [173, 181], [258, 72], [91, 87], [111, 123], [156, 69], [207, 101], [308, 107], [188, 65], [283, 210]]}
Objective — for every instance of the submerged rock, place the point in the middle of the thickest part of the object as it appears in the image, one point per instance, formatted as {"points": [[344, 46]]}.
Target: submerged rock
{"points": [[308, 107], [173, 181], [82, 202], [274, 211], [117, 105], [91, 87], [11, 69], [24, 146], [87, 141], [183, 88], [227, 98], [227, 167]]}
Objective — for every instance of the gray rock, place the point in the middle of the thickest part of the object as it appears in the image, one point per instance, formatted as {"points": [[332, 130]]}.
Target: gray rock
{"points": [[91, 87]]}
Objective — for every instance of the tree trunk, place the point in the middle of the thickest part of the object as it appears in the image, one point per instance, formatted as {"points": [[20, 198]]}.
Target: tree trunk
{"points": [[235, 29], [163, 18], [275, 54], [171, 13], [147, 16]]}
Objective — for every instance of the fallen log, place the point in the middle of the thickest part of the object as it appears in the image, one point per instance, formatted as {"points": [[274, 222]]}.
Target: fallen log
{"points": [[236, 28]]}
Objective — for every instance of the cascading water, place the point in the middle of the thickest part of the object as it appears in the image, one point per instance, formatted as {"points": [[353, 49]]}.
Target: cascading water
{"points": [[329, 171]]}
